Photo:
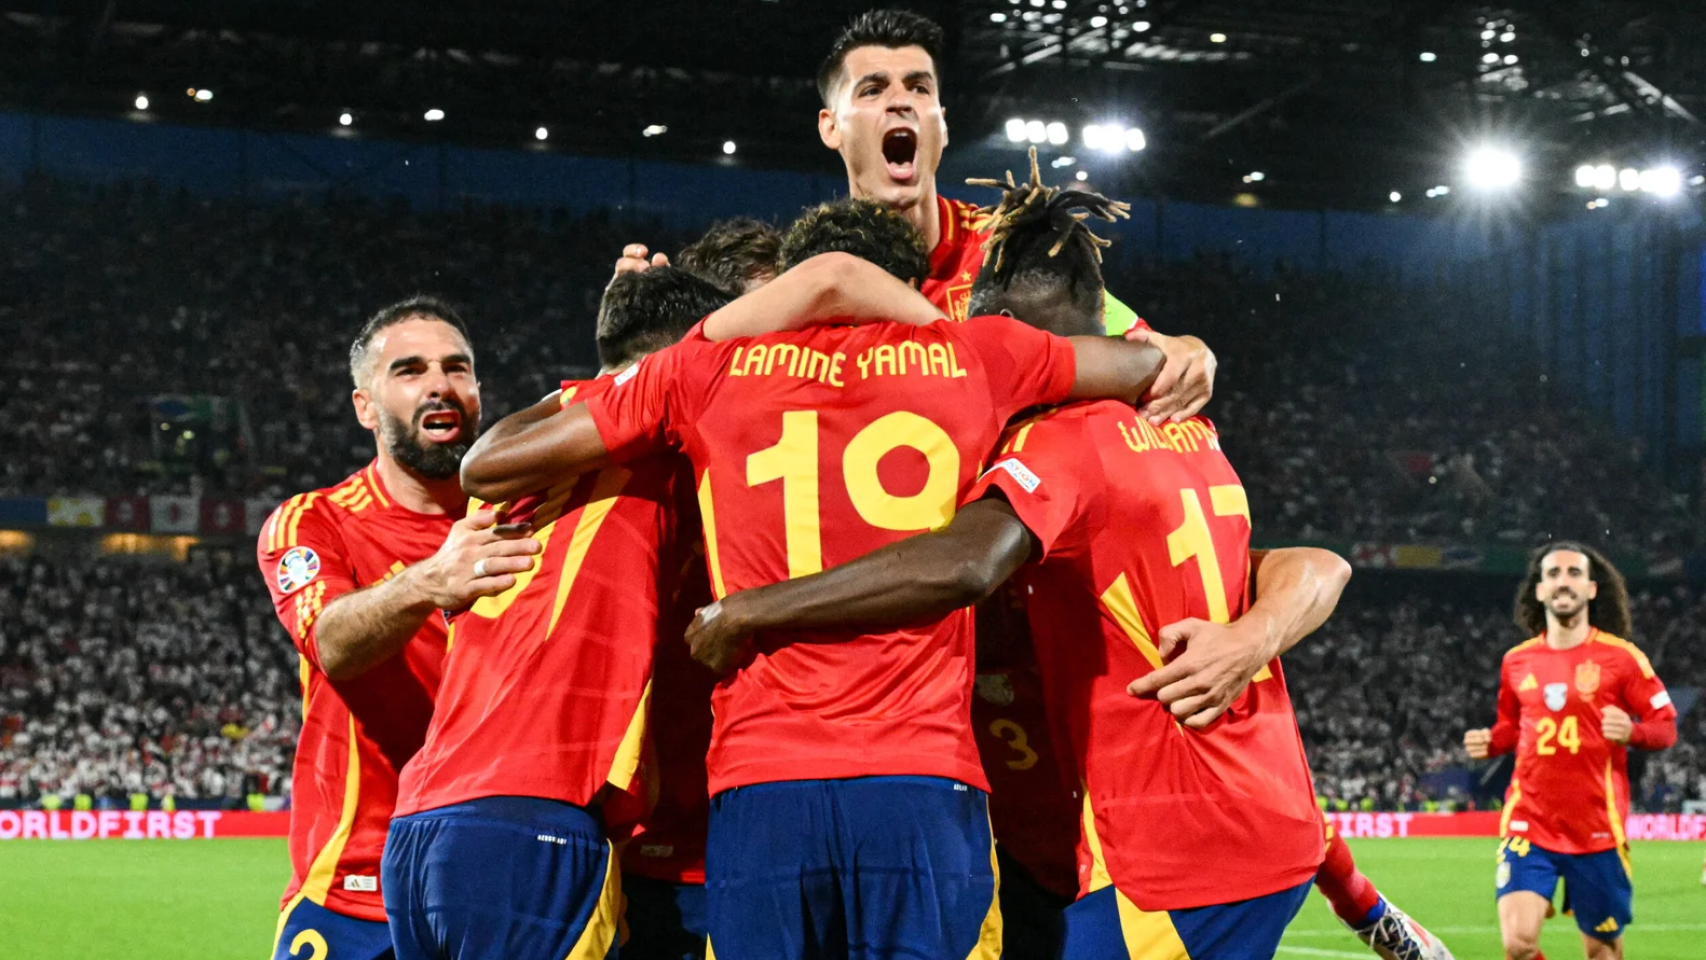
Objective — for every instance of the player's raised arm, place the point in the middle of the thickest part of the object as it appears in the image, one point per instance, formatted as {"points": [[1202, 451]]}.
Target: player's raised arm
{"points": [[1111, 368], [532, 449], [921, 577], [828, 288], [1297, 589]]}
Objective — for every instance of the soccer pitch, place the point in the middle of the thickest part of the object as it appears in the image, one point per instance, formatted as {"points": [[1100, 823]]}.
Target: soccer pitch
{"points": [[218, 900]]}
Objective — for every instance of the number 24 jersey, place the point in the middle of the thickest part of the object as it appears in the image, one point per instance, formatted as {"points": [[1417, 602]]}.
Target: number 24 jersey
{"points": [[811, 449]]}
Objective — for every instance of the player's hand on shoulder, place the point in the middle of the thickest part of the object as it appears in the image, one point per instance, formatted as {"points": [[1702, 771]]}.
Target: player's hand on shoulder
{"points": [[637, 259], [1186, 380], [1615, 725], [1478, 743], [717, 638], [478, 559], [1218, 661]]}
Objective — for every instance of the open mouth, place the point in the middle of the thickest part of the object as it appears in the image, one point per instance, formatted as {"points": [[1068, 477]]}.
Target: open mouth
{"points": [[900, 150], [442, 426]]}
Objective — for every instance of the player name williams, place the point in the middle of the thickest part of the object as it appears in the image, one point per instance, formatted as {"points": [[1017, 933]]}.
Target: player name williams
{"points": [[886, 360]]}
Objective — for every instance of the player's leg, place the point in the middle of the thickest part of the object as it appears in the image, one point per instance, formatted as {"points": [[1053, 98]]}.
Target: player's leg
{"points": [[1031, 922], [665, 920], [922, 883], [1105, 925], [308, 931], [1601, 896], [1527, 878], [771, 887], [1389, 931], [503, 878]]}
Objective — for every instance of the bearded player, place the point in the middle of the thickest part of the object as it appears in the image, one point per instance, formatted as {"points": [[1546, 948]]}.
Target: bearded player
{"points": [[818, 742], [882, 112], [1572, 701], [359, 573]]}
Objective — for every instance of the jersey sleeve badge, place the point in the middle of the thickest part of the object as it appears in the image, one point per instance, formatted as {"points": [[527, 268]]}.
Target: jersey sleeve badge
{"points": [[297, 569]]}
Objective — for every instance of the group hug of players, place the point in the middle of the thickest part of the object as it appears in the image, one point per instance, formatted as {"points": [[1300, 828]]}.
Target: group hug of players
{"points": [[681, 661]]}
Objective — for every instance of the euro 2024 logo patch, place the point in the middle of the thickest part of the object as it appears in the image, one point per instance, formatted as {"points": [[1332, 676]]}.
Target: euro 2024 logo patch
{"points": [[297, 569], [1587, 679], [1555, 694]]}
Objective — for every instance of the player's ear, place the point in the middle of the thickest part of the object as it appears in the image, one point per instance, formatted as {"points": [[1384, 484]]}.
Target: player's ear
{"points": [[828, 130], [366, 412], [1593, 589]]}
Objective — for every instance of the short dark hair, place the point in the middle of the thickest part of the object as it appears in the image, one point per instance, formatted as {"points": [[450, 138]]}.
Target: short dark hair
{"points": [[865, 228], [733, 253], [881, 28], [645, 312], [1039, 247], [419, 305], [1608, 612]]}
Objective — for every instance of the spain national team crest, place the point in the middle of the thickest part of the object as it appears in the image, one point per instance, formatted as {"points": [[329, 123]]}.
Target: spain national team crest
{"points": [[297, 569], [1587, 679], [1555, 694]]}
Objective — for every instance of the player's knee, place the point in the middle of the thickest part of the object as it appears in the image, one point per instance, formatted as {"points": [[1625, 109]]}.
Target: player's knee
{"points": [[1598, 949], [1521, 945]]}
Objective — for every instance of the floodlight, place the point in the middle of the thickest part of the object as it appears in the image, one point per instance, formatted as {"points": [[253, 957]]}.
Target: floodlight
{"points": [[1492, 168]]}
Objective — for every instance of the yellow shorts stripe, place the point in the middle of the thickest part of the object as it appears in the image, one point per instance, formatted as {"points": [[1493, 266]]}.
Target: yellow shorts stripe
{"points": [[602, 926]]}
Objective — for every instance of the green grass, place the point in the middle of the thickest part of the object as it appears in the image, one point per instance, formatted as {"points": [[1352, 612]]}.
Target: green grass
{"points": [[218, 900], [1447, 884]]}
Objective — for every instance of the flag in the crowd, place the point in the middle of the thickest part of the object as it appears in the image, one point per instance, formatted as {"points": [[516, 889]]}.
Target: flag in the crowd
{"points": [[173, 514], [221, 516], [127, 513], [76, 511]]}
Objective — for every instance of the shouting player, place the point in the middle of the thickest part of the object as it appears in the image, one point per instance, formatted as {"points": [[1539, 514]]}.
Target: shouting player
{"points": [[1569, 700], [1225, 789], [359, 572], [819, 740], [882, 112]]}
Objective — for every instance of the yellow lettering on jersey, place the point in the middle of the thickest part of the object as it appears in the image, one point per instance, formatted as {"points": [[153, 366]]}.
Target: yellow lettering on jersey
{"points": [[884, 358], [1120, 604], [605, 490], [914, 352], [954, 363], [939, 365], [735, 369], [1229, 500], [755, 355]]}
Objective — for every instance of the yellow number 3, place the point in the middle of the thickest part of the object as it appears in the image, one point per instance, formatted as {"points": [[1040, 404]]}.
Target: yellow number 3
{"points": [[1014, 736], [315, 943]]}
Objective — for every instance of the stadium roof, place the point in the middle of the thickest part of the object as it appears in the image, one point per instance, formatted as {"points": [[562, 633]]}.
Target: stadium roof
{"points": [[1336, 102]]}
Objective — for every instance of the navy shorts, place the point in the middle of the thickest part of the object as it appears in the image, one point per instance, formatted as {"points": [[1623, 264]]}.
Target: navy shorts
{"points": [[1597, 888], [1105, 925], [872, 868], [501, 878], [308, 931], [664, 920]]}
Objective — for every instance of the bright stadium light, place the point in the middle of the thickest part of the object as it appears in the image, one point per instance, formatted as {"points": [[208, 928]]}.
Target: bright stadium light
{"points": [[1134, 140], [998, 17], [344, 119], [1083, 174], [1098, 22], [1489, 58], [1665, 181], [1036, 131], [434, 115], [541, 134], [1256, 176], [1604, 177], [1584, 175], [1394, 196], [1063, 162], [655, 130], [1016, 130], [1141, 26], [728, 148], [142, 101], [202, 95], [1057, 134], [1510, 58], [1217, 38], [1428, 56], [1629, 179], [1491, 168]]}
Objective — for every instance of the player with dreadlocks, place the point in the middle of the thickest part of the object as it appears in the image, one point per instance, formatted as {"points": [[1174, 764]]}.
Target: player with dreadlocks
{"points": [[1130, 544], [1568, 699]]}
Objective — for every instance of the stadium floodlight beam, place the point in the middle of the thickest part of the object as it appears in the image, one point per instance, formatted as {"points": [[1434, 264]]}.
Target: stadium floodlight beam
{"points": [[728, 148], [1016, 130], [1584, 175], [345, 119], [1428, 56], [1257, 175], [1141, 26], [1036, 131], [434, 115], [1629, 179], [1604, 177], [1057, 134], [1395, 196], [202, 95], [655, 130], [1492, 168], [541, 134], [1083, 174], [1135, 141], [1664, 181], [141, 101], [1098, 22]]}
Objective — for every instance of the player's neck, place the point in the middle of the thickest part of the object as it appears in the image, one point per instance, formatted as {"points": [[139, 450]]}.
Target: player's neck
{"points": [[1567, 634], [411, 491], [926, 214]]}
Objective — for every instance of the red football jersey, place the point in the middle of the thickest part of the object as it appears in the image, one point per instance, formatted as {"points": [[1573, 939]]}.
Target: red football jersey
{"points": [[1570, 791], [956, 260], [1033, 808], [669, 841], [1140, 527], [813, 448], [356, 734], [546, 684]]}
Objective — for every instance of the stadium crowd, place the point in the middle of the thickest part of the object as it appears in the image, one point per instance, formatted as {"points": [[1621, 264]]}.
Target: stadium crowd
{"points": [[119, 677], [1345, 430]]}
